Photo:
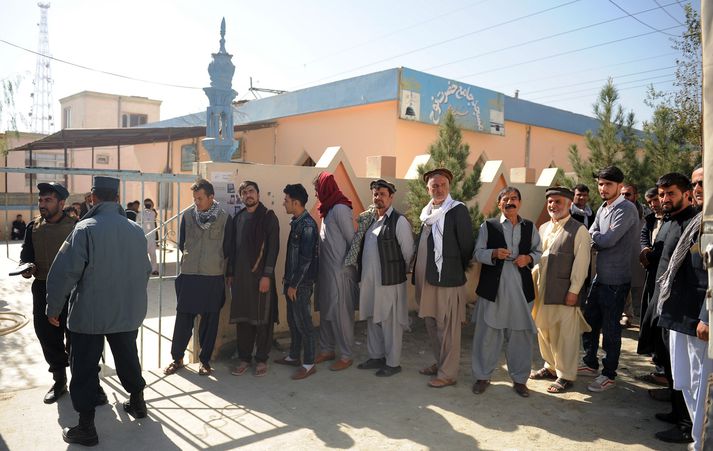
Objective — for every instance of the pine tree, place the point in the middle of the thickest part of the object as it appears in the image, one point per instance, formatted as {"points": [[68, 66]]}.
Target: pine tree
{"points": [[615, 143], [450, 152]]}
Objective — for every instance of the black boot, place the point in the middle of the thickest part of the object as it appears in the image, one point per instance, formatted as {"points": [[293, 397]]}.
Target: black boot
{"points": [[58, 389], [84, 433], [136, 406]]}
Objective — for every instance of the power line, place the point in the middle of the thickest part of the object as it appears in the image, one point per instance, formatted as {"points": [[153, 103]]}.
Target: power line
{"points": [[668, 13], [641, 21], [113, 74], [568, 52], [567, 74], [599, 80], [445, 41], [532, 41], [400, 30], [618, 89], [539, 98]]}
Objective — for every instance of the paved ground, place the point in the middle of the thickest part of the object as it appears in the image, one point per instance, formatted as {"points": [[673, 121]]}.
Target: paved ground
{"points": [[350, 409]]}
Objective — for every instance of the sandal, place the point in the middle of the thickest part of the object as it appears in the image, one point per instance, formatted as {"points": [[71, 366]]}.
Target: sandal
{"points": [[173, 367], [240, 370], [542, 373], [429, 370], [653, 378], [559, 386], [204, 369], [260, 369]]}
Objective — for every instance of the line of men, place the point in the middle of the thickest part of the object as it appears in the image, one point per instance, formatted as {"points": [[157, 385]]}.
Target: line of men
{"points": [[532, 283]]}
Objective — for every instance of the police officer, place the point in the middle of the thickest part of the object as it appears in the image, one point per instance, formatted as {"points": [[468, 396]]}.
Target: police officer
{"points": [[103, 269], [43, 238]]}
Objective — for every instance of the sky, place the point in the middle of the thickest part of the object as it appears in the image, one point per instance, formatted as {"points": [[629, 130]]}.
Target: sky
{"points": [[555, 52]]}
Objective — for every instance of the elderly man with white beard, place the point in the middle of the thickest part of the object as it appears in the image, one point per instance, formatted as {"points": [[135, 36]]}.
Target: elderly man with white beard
{"points": [[559, 277]]}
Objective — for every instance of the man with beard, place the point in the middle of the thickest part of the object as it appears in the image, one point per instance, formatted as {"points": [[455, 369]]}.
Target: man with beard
{"points": [[684, 318], [43, 238], [580, 209], [386, 250], [443, 254], [508, 248], [251, 263], [614, 232], [633, 299], [200, 287], [559, 278]]}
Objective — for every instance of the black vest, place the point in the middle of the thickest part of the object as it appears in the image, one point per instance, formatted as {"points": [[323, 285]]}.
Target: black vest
{"points": [[393, 265], [490, 274]]}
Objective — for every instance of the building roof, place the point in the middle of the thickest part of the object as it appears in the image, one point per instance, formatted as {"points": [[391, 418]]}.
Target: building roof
{"points": [[107, 95], [106, 137], [373, 88]]}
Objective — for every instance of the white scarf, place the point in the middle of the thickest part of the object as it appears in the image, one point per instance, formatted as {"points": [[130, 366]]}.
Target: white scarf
{"points": [[436, 217]]}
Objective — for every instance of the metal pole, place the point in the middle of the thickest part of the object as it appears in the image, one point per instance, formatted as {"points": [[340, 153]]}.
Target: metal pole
{"points": [[142, 328], [160, 285]]}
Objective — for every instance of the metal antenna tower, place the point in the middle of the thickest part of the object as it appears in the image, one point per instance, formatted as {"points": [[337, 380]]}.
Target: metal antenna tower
{"points": [[41, 112]]}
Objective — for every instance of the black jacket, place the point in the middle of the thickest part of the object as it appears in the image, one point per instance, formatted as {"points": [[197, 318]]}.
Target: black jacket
{"points": [[458, 244]]}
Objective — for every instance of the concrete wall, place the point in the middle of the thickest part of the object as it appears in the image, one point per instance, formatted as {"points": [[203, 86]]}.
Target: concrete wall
{"points": [[100, 110]]}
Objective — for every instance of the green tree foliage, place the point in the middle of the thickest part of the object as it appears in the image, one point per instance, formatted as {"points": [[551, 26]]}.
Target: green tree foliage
{"points": [[665, 148], [615, 142], [450, 152]]}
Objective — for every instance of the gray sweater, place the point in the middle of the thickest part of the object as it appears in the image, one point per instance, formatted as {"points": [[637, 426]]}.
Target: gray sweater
{"points": [[614, 232]]}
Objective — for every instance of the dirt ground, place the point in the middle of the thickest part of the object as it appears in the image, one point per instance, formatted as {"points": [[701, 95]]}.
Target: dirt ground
{"points": [[351, 409]]}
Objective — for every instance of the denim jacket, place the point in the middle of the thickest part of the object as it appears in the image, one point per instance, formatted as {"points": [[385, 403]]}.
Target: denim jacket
{"points": [[302, 259]]}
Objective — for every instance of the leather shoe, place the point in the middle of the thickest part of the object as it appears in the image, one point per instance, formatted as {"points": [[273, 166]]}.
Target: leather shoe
{"points": [[372, 364], [440, 383], [386, 371], [521, 389], [81, 435], [101, 398], [284, 361], [324, 356], [480, 385], [676, 434], [303, 373], [341, 364], [56, 392], [667, 417], [136, 406]]}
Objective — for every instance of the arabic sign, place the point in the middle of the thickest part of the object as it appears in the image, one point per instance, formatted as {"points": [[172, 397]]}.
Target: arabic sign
{"points": [[427, 98]]}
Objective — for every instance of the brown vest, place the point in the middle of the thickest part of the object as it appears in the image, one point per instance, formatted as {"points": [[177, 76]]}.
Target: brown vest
{"points": [[203, 249], [47, 238], [559, 265]]}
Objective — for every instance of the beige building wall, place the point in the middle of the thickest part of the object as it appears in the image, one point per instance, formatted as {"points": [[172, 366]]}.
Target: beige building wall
{"points": [[89, 109]]}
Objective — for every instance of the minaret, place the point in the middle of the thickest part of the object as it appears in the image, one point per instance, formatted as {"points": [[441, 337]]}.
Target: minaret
{"points": [[219, 141]]}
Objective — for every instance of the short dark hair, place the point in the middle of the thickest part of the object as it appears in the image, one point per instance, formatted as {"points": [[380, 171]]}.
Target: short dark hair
{"points": [[18, 216], [105, 194], [651, 193], [674, 179], [205, 185], [611, 174], [581, 187], [297, 192], [247, 183], [630, 185], [509, 189]]}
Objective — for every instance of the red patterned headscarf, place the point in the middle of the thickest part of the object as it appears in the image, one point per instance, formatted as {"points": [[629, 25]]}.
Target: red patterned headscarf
{"points": [[329, 194]]}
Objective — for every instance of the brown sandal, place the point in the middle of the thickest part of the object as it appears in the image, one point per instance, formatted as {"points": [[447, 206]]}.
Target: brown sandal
{"points": [[260, 369], [241, 369], [173, 367], [559, 386], [429, 370], [542, 373], [205, 370]]}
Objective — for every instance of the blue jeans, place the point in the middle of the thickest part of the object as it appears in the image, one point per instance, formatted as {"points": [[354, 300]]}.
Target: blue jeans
{"points": [[299, 319], [603, 309]]}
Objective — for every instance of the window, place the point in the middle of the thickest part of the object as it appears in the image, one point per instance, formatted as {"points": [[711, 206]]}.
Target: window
{"points": [[67, 118], [238, 154], [133, 120], [45, 160], [188, 157]]}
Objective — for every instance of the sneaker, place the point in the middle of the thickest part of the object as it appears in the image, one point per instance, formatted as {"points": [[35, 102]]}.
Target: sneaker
{"points": [[601, 383], [587, 371]]}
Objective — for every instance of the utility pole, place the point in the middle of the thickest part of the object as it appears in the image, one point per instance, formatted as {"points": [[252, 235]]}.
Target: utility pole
{"points": [[41, 112]]}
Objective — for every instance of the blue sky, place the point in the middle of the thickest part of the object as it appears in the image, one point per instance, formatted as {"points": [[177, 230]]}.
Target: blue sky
{"points": [[503, 45]]}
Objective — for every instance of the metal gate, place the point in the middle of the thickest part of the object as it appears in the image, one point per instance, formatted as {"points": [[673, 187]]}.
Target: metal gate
{"points": [[167, 231]]}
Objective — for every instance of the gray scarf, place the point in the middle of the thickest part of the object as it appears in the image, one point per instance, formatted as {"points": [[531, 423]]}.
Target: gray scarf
{"points": [[679, 254], [208, 217]]}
